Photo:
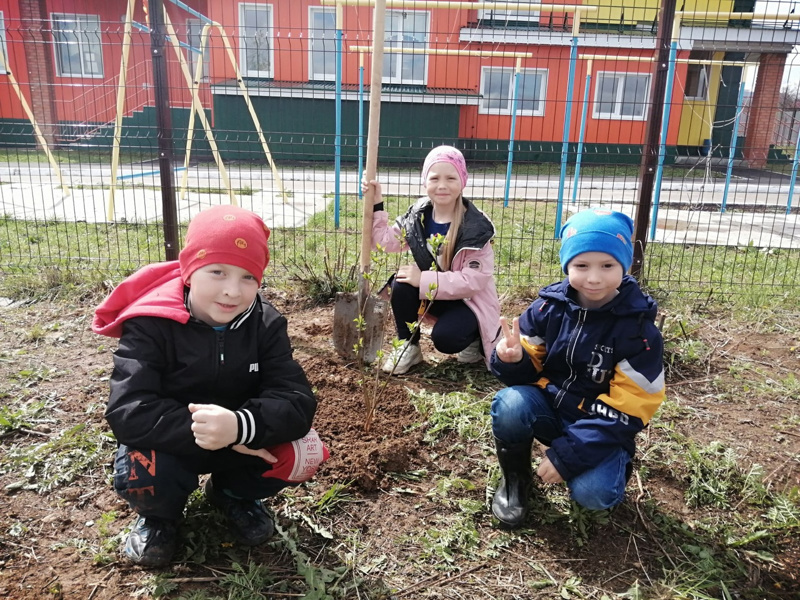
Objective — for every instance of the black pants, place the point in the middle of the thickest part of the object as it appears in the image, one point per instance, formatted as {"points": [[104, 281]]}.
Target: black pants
{"points": [[456, 325], [157, 484]]}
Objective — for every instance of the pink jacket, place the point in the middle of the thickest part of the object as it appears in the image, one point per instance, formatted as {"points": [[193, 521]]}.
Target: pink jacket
{"points": [[471, 274]]}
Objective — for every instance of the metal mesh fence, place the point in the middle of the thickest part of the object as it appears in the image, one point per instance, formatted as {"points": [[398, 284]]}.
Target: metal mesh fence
{"points": [[269, 107]]}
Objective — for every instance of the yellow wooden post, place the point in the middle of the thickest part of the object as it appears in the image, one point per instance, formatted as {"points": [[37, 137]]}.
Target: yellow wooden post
{"points": [[36, 130], [123, 76], [198, 107]]}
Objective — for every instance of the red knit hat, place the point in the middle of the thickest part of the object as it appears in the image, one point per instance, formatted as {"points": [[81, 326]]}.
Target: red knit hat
{"points": [[226, 235]]}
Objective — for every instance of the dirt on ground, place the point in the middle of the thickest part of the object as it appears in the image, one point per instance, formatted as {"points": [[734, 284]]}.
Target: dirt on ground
{"points": [[50, 540]]}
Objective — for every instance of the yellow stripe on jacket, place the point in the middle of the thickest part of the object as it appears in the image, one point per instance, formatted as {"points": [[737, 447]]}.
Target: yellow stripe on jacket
{"points": [[634, 394], [534, 346]]}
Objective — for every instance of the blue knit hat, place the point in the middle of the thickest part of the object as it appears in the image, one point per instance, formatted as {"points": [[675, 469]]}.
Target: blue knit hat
{"points": [[598, 230]]}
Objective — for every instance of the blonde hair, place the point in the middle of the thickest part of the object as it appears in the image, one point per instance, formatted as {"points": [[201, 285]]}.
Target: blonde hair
{"points": [[449, 247]]}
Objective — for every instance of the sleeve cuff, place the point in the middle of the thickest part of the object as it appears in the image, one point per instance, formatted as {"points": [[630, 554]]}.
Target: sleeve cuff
{"points": [[246, 427]]}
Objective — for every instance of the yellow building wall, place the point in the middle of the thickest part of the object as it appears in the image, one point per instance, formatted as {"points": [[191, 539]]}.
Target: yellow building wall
{"points": [[697, 116], [644, 11]]}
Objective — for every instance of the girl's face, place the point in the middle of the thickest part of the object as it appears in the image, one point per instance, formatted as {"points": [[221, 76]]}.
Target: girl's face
{"points": [[443, 185]]}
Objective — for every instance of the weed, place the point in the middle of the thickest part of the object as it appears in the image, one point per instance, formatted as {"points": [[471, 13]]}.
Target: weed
{"points": [[22, 418], [715, 478], [59, 460], [335, 496], [322, 287], [584, 521], [448, 540], [460, 412]]}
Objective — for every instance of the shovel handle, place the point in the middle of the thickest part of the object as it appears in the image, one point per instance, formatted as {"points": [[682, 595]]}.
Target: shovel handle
{"points": [[371, 166]]}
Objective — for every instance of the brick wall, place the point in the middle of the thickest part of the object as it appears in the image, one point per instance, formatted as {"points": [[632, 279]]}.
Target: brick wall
{"points": [[37, 42], [763, 109]]}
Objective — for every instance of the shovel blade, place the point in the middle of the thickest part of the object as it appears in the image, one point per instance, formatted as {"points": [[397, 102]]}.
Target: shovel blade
{"points": [[345, 329]]}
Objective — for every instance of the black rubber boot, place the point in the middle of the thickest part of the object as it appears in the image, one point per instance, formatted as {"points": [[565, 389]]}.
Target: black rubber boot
{"points": [[510, 502]]}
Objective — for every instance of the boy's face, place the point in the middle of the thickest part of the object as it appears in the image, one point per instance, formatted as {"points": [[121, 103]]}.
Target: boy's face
{"points": [[596, 277], [220, 292]]}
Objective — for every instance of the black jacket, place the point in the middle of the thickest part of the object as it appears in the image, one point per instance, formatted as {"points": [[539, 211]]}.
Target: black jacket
{"points": [[162, 365]]}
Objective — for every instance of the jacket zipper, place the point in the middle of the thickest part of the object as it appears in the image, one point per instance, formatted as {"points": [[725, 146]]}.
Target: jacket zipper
{"points": [[221, 346], [570, 356]]}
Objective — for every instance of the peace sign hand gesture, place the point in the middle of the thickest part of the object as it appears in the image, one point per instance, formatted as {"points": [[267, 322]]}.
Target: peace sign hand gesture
{"points": [[509, 349]]}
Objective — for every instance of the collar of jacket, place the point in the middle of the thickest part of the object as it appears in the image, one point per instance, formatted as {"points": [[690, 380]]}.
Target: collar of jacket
{"points": [[475, 231], [630, 300]]}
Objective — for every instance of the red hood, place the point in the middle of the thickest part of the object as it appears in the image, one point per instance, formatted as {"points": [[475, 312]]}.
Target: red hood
{"points": [[154, 291]]}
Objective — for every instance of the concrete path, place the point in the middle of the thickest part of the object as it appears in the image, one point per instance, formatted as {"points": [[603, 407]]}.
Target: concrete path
{"points": [[688, 209]]}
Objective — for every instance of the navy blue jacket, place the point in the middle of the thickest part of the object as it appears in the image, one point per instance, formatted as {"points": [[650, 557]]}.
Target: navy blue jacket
{"points": [[601, 368]]}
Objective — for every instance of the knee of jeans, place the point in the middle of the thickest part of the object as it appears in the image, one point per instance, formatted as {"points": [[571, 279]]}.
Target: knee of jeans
{"points": [[597, 498], [506, 407]]}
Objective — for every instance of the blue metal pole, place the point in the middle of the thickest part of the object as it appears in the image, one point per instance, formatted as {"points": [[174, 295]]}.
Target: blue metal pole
{"points": [[662, 146], [573, 59], [337, 143], [511, 136], [581, 136], [360, 126], [732, 151], [192, 11], [794, 173]]}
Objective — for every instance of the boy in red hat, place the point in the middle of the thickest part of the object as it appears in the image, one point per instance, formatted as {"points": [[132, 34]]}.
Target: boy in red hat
{"points": [[204, 382]]}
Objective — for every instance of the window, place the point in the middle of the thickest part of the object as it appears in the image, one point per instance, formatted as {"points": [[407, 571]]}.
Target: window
{"points": [[405, 29], [322, 57], [255, 26], [194, 34], [622, 96], [3, 47], [79, 52], [497, 89], [513, 14], [697, 76]]}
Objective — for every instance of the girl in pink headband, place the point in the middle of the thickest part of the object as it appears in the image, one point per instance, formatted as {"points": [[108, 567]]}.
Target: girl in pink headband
{"points": [[450, 241]]}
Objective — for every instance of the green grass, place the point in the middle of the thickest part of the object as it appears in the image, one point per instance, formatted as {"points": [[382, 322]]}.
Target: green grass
{"points": [[321, 259]]}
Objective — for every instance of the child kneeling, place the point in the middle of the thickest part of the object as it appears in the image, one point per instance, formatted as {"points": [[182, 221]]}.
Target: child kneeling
{"points": [[584, 366], [204, 382]]}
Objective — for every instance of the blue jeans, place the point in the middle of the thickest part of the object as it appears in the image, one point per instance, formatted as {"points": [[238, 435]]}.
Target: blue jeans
{"points": [[522, 412]]}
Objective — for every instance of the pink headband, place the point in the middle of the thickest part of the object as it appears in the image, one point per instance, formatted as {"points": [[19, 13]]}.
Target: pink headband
{"points": [[446, 154]]}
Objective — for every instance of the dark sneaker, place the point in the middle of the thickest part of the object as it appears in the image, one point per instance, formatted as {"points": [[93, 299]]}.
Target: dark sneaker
{"points": [[248, 519], [151, 542]]}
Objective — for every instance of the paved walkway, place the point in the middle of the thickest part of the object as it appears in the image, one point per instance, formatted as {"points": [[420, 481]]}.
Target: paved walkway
{"points": [[689, 209]]}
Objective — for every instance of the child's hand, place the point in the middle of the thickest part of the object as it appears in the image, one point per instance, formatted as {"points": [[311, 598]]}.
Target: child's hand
{"points": [[509, 349], [548, 472], [409, 274], [214, 427], [377, 197], [261, 452]]}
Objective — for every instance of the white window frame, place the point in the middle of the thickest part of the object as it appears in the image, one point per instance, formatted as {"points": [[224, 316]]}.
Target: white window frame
{"points": [[322, 37], [399, 57], [247, 72], [506, 110], [701, 71], [84, 45], [510, 15], [194, 29], [3, 44], [616, 115]]}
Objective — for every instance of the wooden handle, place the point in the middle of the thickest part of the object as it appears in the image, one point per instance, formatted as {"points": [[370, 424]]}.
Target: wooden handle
{"points": [[371, 166]]}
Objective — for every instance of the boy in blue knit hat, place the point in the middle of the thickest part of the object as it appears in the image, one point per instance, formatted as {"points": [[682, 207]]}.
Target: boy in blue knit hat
{"points": [[585, 373]]}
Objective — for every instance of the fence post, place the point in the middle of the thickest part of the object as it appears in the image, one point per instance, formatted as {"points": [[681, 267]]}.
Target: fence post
{"points": [[164, 127], [647, 172]]}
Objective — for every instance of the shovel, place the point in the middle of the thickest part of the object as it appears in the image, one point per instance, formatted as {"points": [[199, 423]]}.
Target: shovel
{"points": [[349, 306]]}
